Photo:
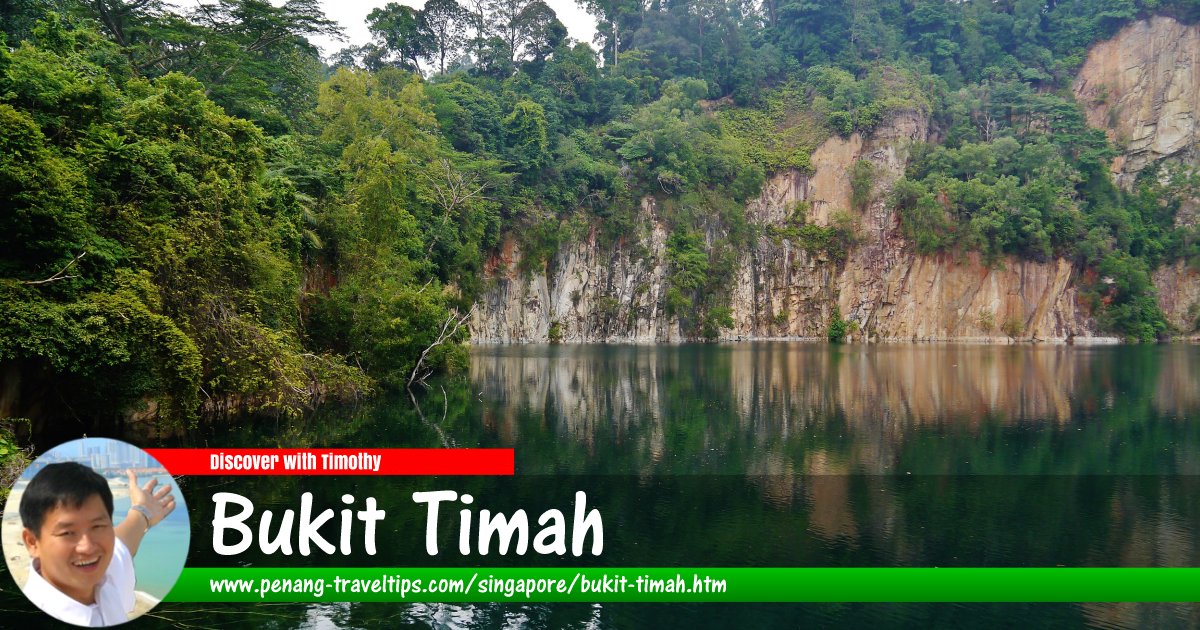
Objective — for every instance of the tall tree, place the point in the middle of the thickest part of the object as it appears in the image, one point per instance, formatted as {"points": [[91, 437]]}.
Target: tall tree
{"points": [[402, 31], [525, 25], [252, 56], [447, 22], [120, 17], [705, 12], [506, 23], [256, 27], [616, 21], [477, 19], [541, 31]]}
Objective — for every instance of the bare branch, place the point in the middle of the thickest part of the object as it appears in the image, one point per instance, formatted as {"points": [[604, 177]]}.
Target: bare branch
{"points": [[447, 442], [453, 192], [449, 328], [58, 276]]}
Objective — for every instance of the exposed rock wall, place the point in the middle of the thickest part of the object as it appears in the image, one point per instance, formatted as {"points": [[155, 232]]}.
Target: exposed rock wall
{"points": [[941, 299], [1179, 295], [1143, 88], [888, 290], [616, 293], [586, 293]]}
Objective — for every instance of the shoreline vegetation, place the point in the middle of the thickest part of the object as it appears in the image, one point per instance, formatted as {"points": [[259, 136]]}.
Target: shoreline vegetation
{"points": [[206, 220]]}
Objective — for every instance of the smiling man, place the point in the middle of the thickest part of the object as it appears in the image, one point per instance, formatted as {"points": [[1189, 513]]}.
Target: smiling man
{"points": [[82, 569]]}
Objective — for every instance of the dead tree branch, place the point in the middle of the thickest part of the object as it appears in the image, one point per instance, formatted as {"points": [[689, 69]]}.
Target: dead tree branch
{"points": [[59, 275], [449, 328], [447, 441], [453, 191]]}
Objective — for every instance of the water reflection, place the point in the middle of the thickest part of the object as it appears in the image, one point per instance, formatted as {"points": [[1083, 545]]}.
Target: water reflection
{"points": [[789, 408], [779, 454]]}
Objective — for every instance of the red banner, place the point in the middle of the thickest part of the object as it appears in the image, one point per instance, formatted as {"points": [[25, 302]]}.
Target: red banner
{"points": [[335, 461]]}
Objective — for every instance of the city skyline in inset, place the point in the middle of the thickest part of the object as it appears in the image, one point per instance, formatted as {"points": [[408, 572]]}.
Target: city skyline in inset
{"points": [[103, 455]]}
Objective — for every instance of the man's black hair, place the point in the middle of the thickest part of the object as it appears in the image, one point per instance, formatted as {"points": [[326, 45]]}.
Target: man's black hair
{"points": [[64, 484]]}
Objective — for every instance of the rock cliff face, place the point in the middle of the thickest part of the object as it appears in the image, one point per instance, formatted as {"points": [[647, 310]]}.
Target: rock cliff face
{"points": [[1179, 295], [1142, 87], [587, 293], [616, 294], [884, 287]]}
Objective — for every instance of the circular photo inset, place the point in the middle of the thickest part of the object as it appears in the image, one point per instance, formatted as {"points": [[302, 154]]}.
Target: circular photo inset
{"points": [[95, 532]]}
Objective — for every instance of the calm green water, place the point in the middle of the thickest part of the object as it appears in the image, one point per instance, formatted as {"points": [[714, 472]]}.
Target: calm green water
{"points": [[776, 454]]}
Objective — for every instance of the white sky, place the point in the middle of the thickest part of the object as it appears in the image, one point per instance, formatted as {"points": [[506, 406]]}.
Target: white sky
{"points": [[352, 15]]}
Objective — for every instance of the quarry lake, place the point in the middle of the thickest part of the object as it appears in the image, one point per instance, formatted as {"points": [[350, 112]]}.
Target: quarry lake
{"points": [[772, 454]]}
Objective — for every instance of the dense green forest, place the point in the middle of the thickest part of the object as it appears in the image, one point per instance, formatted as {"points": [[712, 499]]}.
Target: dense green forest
{"points": [[202, 216]]}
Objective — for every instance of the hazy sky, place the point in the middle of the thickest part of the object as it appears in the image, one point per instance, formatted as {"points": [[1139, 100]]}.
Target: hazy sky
{"points": [[352, 15]]}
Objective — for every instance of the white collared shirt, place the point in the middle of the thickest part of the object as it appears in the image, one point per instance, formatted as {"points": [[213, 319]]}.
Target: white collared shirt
{"points": [[114, 596]]}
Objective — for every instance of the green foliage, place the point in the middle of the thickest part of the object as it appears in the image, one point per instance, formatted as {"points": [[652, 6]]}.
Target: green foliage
{"points": [[14, 458], [468, 116], [150, 258], [1127, 296], [1002, 197], [402, 32], [1013, 327], [663, 140], [848, 104], [45, 223], [252, 56], [961, 42], [862, 183], [446, 21], [839, 328], [525, 136], [676, 302], [385, 322], [840, 121], [773, 144], [688, 260], [987, 320], [699, 270], [113, 345], [1022, 175], [789, 121], [832, 241], [714, 320], [539, 244], [411, 224], [194, 219]]}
